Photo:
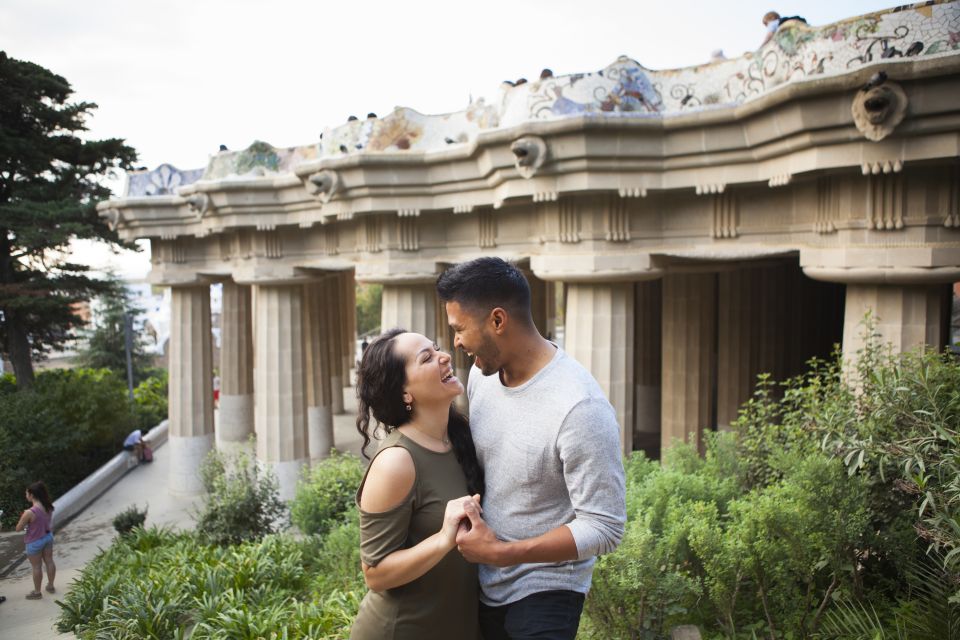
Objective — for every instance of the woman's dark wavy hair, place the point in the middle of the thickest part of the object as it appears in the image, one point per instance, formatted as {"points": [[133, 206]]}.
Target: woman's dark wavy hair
{"points": [[39, 491], [380, 381]]}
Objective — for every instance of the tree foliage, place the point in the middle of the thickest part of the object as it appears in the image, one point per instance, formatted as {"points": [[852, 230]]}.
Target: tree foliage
{"points": [[369, 300], [50, 182], [106, 341]]}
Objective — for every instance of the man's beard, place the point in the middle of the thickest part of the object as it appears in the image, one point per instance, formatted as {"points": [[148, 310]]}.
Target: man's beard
{"points": [[489, 356]]}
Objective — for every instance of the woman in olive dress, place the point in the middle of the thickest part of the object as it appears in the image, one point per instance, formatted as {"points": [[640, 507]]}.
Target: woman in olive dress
{"points": [[412, 496]]}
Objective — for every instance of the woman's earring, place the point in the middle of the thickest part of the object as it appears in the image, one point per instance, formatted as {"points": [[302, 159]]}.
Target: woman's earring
{"points": [[409, 407]]}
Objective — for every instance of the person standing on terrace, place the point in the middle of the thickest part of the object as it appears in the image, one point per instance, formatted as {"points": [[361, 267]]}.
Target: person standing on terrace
{"points": [[38, 521]]}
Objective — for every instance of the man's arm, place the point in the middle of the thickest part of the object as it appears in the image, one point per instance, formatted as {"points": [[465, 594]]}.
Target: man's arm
{"points": [[589, 445], [479, 543]]}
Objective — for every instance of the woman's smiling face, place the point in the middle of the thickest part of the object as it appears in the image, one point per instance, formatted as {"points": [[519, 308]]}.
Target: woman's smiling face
{"points": [[429, 371]]}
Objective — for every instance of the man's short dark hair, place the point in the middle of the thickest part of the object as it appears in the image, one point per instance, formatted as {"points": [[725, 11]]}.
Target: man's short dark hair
{"points": [[485, 283]]}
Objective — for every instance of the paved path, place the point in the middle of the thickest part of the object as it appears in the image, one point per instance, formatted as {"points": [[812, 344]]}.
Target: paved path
{"points": [[78, 542]]}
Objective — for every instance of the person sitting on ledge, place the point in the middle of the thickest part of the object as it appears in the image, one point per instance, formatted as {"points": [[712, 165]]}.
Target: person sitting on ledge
{"points": [[772, 21], [134, 442]]}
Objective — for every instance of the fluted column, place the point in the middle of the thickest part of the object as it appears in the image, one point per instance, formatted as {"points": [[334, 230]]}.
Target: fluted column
{"points": [[689, 357], [349, 327], [906, 317], [752, 330], [648, 302], [333, 296], [599, 335], [280, 383], [319, 406], [411, 306], [541, 300], [235, 424], [191, 386]]}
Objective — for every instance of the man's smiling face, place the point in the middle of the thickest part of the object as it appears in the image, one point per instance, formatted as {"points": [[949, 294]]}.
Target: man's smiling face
{"points": [[474, 335]]}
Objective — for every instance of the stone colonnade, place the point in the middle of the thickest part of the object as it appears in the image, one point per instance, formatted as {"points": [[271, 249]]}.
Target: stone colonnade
{"points": [[286, 352], [677, 355]]}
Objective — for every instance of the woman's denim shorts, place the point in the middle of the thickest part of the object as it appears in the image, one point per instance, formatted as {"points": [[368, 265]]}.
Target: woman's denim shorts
{"points": [[35, 547]]}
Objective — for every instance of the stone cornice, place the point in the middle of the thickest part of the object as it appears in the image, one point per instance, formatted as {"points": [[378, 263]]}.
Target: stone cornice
{"points": [[587, 155]]}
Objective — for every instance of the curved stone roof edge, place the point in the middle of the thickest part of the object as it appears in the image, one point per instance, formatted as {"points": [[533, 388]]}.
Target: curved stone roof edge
{"points": [[798, 55]]}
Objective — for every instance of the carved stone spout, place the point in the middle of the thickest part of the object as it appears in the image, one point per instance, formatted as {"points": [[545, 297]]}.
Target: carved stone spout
{"points": [[324, 184], [878, 110], [530, 152]]}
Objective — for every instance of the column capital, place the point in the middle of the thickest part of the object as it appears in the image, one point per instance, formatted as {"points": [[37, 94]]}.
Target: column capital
{"points": [[883, 265], [594, 267], [398, 272]]}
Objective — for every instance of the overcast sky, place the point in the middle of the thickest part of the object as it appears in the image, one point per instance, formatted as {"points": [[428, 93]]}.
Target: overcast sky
{"points": [[178, 78]]}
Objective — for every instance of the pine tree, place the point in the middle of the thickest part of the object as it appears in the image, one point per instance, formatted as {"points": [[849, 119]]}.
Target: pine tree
{"points": [[106, 342], [50, 182]]}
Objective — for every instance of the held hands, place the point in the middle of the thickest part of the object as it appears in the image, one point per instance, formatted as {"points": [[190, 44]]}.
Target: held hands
{"points": [[476, 541], [455, 517]]}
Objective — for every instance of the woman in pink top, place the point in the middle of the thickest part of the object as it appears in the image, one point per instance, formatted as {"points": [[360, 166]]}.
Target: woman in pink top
{"points": [[38, 521]]}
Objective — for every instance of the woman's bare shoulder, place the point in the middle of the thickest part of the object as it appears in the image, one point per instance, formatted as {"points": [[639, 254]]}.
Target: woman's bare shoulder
{"points": [[389, 480]]}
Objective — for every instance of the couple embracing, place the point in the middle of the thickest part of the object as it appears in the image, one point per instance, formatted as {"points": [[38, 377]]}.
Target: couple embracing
{"points": [[487, 529]]}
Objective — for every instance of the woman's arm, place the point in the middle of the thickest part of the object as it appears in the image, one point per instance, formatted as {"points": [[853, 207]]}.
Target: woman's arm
{"points": [[25, 519], [388, 483]]}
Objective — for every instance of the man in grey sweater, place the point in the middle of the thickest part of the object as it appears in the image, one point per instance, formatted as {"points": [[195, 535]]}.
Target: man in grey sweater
{"points": [[549, 444]]}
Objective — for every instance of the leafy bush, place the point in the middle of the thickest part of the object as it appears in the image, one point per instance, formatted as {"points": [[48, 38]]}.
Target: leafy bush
{"points": [[66, 427], [702, 548], [335, 563], [128, 519], [150, 398], [157, 584], [325, 493], [242, 505], [802, 522]]}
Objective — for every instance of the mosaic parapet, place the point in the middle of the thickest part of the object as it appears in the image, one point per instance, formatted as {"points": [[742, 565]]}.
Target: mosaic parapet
{"points": [[259, 159], [162, 181], [796, 54]]}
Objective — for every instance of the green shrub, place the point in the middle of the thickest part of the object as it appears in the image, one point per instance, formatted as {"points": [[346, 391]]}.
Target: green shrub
{"points": [[242, 504], [335, 564], [67, 426], [325, 493], [158, 584], [128, 519], [150, 399], [803, 521], [636, 590]]}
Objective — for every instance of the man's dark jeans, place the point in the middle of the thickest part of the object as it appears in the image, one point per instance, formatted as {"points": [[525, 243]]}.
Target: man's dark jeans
{"points": [[548, 615]]}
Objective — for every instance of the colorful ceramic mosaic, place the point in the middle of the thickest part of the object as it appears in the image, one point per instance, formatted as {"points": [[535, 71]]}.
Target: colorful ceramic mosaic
{"points": [[259, 159], [797, 53], [162, 181]]}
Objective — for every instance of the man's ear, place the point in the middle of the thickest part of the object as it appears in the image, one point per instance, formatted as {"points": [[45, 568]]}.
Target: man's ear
{"points": [[499, 319]]}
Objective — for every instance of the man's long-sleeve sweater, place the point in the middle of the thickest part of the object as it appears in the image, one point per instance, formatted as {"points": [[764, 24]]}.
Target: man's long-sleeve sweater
{"points": [[550, 450]]}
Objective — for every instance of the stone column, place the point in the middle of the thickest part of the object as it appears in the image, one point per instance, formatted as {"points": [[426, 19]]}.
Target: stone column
{"points": [[235, 424], [349, 325], [191, 387], [319, 406], [333, 298], [648, 311], [541, 300], [599, 334], [411, 306], [280, 383], [907, 317], [689, 357], [752, 334]]}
